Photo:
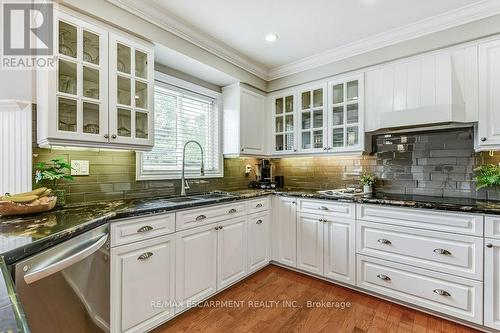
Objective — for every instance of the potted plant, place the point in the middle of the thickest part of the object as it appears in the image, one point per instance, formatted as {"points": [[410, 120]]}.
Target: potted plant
{"points": [[487, 175], [368, 180], [52, 173]]}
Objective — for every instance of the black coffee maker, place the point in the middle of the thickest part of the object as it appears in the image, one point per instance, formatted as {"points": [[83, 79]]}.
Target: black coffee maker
{"points": [[264, 177]]}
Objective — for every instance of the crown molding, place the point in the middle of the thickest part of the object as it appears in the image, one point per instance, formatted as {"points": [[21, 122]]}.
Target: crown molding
{"points": [[174, 25], [446, 20]]}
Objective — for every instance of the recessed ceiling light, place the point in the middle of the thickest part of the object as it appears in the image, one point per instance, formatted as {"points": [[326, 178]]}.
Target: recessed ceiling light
{"points": [[271, 37]]}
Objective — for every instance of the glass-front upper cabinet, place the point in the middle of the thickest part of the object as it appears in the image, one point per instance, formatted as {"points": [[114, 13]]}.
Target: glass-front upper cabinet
{"points": [[131, 91], [345, 112], [284, 123], [312, 119], [80, 77]]}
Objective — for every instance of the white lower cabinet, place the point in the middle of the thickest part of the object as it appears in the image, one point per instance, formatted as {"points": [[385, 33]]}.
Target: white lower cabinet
{"points": [[231, 252], [310, 243], [258, 241], [339, 249], [143, 281], [196, 265], [492, 283], [284, 231]]}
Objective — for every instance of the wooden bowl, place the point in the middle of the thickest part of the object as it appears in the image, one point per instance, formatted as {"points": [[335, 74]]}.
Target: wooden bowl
{"points": [[9, 208]]}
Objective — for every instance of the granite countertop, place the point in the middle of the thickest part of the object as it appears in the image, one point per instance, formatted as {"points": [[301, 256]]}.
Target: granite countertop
{"points": [[23, 236]]}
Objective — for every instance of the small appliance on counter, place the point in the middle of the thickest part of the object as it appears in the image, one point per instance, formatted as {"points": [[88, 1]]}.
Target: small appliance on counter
{"points": [[264, 176]]}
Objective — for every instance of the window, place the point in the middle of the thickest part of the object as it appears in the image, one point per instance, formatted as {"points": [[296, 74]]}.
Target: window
{"points": [[180, 116]]}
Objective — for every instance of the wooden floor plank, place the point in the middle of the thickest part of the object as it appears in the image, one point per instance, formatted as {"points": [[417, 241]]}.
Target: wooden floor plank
{"points": [[367, 314]]}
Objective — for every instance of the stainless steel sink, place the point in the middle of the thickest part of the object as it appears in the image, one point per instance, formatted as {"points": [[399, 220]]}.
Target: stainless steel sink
{"points": [[213, 196], [182, 199]]}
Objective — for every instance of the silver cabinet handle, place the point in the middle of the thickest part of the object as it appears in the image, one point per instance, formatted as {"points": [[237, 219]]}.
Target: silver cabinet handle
{"points": [[442, 251], [258, 205], [383, 277], [106, 136], [321, 220], [145, 255], [384, 241], [483, 139], [145, 228], [200, 217], [216, 228], [489, 245], [259, 222], [113, 136], [441, 292], [232, 211], [323, 208], [221, 227], [326, 148]]}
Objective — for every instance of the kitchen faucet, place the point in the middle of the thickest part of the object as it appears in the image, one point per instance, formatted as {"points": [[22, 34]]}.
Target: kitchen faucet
{"points": [[184, 183]]}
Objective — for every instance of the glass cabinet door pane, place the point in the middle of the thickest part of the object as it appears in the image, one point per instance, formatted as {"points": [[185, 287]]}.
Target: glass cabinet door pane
{"points": [[338, 93], [67, 39], [279, 142], [306, 100], [123, 92], [66, 114], [279, 105], [289, 123], [279, 124], [318, 98], [124, 127], [352, 90], [318, 118], [90, 47], [90, 118], [289, 141], [67, 77], [141, 64], [141, 125], [352, 136], [141, 94], [318, 139], [338, 137], [289, 104], [123, 58], [306, 120], [90, 82], [352, 113], [338, 115], [306, 140]]}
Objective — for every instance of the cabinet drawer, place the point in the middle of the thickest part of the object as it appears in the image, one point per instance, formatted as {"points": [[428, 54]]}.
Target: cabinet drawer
{"points": [[258, 205], [327, 207], [448, 253], [468, 224], [136, 229], [448, 294], [492, 227], [206, 215]]}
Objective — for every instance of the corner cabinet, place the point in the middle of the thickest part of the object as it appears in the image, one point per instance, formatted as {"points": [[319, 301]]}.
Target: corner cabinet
{"points": [[244, 121], [78, 99]]}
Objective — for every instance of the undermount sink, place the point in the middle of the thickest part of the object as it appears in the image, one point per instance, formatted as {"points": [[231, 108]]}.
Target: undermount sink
{"points": [[181, 199], [213, 196]]}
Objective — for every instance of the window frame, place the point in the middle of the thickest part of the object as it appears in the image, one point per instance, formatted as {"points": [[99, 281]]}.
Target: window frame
{"points": [[162, 79]]}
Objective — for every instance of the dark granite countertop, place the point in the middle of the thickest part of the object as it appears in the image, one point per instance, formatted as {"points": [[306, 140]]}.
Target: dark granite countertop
{"points": [[23, 236]]}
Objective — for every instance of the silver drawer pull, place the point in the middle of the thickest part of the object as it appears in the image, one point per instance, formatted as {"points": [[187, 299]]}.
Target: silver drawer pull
{"points": [[259, 222], [323, 208], [258, 205], [145, 228], [383, 277], [442, 251], [200, 217], [145, 255], [232, 211], [384, 241], [441, 292]]}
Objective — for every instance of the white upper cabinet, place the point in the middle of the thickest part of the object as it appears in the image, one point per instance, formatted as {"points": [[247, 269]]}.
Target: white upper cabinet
{"points": [[312, 119], [434, 88], [284, 123], [489, 97], [75, 103], [245, 124]]}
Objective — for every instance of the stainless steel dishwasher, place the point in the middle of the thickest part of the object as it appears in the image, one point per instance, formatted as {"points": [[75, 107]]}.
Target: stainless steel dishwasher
{"points": [[65, 288]]}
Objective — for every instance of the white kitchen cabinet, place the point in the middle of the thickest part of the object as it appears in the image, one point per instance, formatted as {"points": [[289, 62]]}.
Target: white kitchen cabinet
{"points": [[231, 251], [310, 243], [143, 280], [196, 265], [245, 122], [284, 123], [339, 250], [258, 241], [284, 230], [77, 99], [492, 283], [312, 127], [489, 99]]}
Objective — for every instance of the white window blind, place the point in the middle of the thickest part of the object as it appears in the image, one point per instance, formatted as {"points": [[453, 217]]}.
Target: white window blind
{"points": [[181, 116]]}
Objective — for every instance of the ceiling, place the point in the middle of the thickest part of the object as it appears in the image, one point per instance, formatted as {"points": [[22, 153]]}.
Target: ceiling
{"points": [[311, 32]]}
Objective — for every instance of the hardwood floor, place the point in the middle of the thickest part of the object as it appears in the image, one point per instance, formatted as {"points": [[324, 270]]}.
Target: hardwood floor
{"points": [[275, 300]]}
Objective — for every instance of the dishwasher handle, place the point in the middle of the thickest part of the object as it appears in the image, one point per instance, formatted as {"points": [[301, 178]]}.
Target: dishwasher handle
{"points": [[66, 258]]}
